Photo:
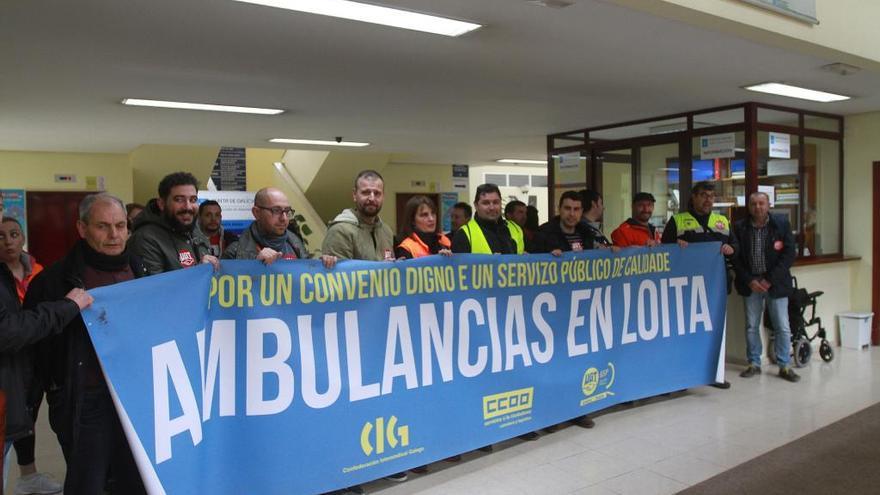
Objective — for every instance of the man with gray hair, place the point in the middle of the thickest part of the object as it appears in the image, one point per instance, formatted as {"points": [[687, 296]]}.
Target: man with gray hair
{"points": [[763, 276], [81, 409]]}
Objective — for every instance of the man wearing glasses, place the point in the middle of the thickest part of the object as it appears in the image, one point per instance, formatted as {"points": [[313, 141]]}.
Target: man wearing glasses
{"points": [[164, 234], [267, 239]]}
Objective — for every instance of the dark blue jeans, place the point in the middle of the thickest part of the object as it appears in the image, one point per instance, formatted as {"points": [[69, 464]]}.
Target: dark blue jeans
{"points": [[98, 446]]}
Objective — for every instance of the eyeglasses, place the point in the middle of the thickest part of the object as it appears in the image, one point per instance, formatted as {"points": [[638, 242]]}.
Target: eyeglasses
{"points": [[277, 211]]}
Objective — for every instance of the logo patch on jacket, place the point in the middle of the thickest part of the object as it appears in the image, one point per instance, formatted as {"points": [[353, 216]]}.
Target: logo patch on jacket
{"points": [[778, 245], [719, 225], [186, 258], [289, 256]]}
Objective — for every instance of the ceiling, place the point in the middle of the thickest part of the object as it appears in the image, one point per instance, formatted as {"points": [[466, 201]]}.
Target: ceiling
{"points": [[492, 93]]}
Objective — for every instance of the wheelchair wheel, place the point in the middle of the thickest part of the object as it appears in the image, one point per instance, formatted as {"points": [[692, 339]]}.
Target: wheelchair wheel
{"points": [[771, 350], [802, 353], [825, 351]]}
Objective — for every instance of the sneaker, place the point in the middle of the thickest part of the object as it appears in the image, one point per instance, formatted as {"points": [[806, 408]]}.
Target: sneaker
{"points": [[37, 483], [584, 422], [751, 371], [487, 448], [530, 436], [420, 469], [722, 385], [454, 458], [356, 490], [398, 477], [789, 374]]}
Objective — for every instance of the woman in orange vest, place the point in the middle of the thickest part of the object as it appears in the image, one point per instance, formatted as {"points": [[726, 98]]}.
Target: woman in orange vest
{"points": [[419, 232]]}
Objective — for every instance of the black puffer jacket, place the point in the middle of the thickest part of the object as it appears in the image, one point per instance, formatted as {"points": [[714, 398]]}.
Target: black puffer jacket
{"points": [[161, 248], [19, 329]]}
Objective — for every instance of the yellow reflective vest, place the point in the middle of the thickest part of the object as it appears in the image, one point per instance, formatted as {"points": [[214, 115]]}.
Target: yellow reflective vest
{"points": [[479, 244]]}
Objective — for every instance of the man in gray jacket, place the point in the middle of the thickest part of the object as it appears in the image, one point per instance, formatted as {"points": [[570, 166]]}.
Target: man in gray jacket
{"points": [[267, 239], [164, 236], [358, 233]]}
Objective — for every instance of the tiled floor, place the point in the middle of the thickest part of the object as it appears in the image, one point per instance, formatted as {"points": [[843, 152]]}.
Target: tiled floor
{"points": [[659, 446]]}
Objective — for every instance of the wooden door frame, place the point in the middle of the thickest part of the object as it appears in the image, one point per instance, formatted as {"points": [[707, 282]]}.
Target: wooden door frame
{"points": [[875, 271]]}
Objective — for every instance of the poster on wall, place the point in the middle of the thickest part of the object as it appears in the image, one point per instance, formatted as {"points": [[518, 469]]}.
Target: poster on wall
{"points": [[460, 177], [14, 206], [779, 145], [230, 170], [718, 146], [235, 207], [447, 201]]}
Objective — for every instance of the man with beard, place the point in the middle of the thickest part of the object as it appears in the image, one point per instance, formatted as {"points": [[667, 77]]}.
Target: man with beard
{"points": [[487, 232], [268, 239], [637, 231], [81, 410], [164, 236], [359, 233], [210, 226]]}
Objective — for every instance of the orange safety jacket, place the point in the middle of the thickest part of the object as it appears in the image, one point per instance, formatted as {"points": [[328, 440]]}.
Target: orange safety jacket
{"points": [[417, 248], [632, 233]]}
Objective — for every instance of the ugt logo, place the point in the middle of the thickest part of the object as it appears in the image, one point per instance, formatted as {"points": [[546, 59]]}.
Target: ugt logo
{"points": [[389, 432]]}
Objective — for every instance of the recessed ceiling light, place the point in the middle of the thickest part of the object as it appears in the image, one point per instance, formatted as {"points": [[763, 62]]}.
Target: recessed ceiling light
{"points": [[519, 160], [796, 92], [200, 106], [318, 142], [373, 14]]}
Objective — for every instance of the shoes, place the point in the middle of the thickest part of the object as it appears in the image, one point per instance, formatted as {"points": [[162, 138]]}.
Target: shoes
{"points": [[751, 371], [398, 477], [34, 483], [551, 428], [789, 374], [530, 436], [584, 422], [356, 490], [487, 448], [454, 458], [420, 469], [722, 385]]}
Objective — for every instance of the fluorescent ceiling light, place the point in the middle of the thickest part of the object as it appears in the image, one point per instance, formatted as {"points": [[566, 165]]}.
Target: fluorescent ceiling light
{"points": [[796, 92], [199, 106], [317, 142], [373, 14], [518, 160]]}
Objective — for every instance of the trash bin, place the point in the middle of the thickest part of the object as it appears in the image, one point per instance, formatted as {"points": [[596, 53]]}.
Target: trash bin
{"points": [[855, 329]]}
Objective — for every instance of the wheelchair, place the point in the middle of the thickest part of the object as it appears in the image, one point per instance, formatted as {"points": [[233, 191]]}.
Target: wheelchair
{"points": [[800, 303]]}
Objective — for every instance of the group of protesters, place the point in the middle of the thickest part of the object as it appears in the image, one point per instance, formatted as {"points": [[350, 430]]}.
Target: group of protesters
{"points": [[46, 349]]}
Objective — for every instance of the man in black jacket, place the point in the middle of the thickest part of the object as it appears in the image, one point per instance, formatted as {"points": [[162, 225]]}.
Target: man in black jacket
{"points": [[81, 409], [762, 264], [20, 328]]}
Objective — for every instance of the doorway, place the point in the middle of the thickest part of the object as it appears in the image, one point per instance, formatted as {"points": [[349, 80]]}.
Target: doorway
{"points": [[51, 223]]}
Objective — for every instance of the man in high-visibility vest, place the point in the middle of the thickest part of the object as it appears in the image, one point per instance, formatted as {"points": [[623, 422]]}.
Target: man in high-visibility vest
{"points": [[700, 224], [487, 232]]}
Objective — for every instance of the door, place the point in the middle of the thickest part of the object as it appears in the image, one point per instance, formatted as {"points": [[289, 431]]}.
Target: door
{"points": [[616, 179], [51, 223]]}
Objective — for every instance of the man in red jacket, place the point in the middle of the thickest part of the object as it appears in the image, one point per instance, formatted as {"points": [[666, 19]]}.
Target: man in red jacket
{"points": [[637, 230]]}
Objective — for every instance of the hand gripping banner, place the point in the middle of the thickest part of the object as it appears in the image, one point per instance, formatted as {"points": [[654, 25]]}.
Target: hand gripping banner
{"points": [[297, 379]]}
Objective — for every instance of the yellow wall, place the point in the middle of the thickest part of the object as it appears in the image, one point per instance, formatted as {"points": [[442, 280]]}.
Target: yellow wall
{"points": [[36, 171], [330, 189], [150, 162], [846, 31], [861, 149], [399, 178]]}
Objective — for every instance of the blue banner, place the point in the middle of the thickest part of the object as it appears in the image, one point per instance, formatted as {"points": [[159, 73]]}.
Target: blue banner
{"points": [[297, 379]]}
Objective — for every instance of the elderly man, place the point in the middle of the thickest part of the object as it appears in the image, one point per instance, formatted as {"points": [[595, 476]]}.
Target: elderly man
{"points": [[164, 236], [80, 406], [763, 277], [268, 238]]}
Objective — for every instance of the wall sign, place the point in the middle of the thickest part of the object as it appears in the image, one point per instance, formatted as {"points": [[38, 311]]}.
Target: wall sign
{"points": [[718, 146]]}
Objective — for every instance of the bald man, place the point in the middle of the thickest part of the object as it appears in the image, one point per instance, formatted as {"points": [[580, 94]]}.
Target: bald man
{"points": [[267, 238]]}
